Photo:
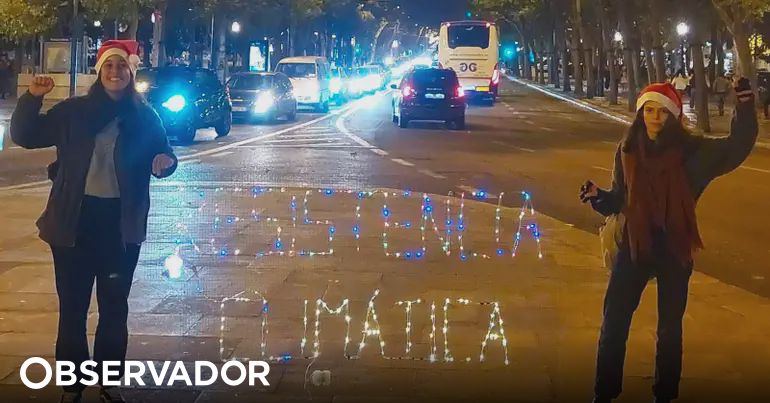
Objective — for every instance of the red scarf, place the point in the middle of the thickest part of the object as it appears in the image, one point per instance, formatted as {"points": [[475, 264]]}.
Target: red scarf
{"points": [[659, 197]]}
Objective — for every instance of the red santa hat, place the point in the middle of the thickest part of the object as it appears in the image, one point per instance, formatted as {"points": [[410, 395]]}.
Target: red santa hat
{"points": [[127, 49], [664, 94]]}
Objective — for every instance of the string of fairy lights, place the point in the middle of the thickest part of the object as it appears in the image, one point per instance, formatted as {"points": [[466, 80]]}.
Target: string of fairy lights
{"points": [[448, 230]]}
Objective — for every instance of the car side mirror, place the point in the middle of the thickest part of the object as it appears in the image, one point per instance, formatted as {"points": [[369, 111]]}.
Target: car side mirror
{"points": [[393, 87]]}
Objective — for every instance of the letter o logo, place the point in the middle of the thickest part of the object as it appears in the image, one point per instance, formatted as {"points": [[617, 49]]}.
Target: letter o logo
{"points": [[473, 67], [463, 66], [23, 373]]}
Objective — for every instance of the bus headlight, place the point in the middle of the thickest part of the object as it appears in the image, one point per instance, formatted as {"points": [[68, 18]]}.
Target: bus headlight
{"points": [[175, 104]]}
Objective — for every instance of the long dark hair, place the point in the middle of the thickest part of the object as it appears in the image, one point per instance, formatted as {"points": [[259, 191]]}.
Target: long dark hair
{"points": [[673, 133]]}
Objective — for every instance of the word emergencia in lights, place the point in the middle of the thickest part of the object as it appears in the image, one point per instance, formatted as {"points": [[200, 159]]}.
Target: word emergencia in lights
{"points": [[442, 220]]}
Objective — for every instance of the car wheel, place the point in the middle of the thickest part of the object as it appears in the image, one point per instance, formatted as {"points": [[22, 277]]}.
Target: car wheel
{"points": [[395, 118], [186, 135], [223, 126], [459, 124], [403, 122], [325, 106], [292, 115]]}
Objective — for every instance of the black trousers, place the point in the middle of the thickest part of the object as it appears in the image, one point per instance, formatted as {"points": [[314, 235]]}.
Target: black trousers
{"points": [[624, 291], [99, 255]]}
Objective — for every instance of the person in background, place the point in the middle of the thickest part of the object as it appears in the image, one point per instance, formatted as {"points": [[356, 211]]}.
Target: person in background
{"points": [[108, 144], [721, 88], [680, 82], [660, 172], [6, 74]]}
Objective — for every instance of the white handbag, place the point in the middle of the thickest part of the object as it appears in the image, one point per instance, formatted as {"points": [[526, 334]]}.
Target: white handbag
{"points": [[611, 237]]}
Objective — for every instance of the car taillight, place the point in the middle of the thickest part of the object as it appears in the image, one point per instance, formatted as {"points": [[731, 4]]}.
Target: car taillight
{"points": [[459, 93], [407, 91], [496, 75]]}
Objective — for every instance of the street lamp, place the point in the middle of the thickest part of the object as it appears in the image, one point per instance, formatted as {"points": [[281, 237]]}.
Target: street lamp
{"points": [[97, 23], [682, 29], [235, 27], [618, 37]]}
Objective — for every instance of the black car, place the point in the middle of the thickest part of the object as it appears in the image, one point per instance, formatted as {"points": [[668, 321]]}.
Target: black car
{"points": [[429, 94], [186, 99], [265, 96]]}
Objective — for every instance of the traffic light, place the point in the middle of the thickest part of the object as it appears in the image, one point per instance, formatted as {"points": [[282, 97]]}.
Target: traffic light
{"points": [[509, 52], [468, 14]]}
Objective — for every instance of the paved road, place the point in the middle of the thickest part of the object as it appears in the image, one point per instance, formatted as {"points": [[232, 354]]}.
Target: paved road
{"points": [[528, 141]]}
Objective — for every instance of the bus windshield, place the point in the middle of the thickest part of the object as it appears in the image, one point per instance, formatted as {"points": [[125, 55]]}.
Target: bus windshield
{"points": [[474, 36]]}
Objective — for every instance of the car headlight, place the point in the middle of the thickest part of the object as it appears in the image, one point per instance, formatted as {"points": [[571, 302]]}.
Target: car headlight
{"points": [[175, 104], [335, 85], [265, 101], [142, 86]]}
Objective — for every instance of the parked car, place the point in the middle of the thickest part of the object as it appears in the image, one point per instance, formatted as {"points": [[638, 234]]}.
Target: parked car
{"points": [[311, 78], [265, 96], [429, 94], [186, 99]]}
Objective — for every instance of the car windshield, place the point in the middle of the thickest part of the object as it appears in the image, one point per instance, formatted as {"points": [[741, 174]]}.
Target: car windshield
{"points": [[297, 70], [434, 78], [165, 76], [475, 36], [336, 73], [251, 82]]}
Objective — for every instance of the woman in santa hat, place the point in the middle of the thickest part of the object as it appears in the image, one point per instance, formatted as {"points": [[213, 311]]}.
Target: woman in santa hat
{"points": [[108, 143], [660, 172]]}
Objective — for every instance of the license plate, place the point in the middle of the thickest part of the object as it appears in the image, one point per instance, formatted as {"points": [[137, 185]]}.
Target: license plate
{"points": [[482, 89], [434, 96], [239, 109]]}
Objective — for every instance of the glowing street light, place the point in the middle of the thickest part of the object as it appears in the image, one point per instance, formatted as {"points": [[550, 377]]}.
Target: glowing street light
{"points": [[394, 45], [618, 37], [682, 29], [235, 27], [97, 23]]}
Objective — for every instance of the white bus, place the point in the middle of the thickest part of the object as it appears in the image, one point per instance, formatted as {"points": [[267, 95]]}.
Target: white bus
{"points": [[471, 49]]}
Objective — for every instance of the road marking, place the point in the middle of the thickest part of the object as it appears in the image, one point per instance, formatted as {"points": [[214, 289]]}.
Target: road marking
{"points": [[344, 130], [316, 145], [755, 169], [548, 129], [529, 150], [24, 185], [190, 161], [601, 168], [283, 140], [614, 143], [264, 136], [222, 154], [431, 174], [474, 191], [402, 162], [571, 101]]}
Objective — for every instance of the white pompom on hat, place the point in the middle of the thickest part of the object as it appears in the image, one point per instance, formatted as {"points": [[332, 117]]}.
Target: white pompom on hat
{"points": [[127, 49]]}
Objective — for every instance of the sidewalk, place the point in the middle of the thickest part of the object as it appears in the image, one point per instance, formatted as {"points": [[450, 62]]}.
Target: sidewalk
{"points": [[720, 125], [227, 240]]}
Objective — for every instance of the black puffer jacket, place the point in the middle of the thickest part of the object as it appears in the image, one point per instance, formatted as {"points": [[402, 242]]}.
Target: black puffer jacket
{"points": [[71, 126]]}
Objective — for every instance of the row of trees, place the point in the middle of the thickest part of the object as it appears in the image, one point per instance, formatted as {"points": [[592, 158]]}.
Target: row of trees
{"points": [[298, 26], [592, 39]]}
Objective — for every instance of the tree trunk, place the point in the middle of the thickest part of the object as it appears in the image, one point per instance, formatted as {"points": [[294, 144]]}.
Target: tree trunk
{"points": [[566, 87], [712, 70], [577, 70], [527, 65], [609, 51], [601, 67], [553, 69], [590, 73], [637, 64], [701, 92], [743, 54], [628, 53], [659, 54], [720, 54]]}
